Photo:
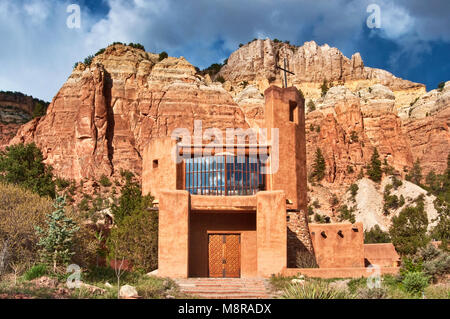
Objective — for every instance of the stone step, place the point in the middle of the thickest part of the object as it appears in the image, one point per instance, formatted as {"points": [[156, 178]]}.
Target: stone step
{"points": [[225, 288]]}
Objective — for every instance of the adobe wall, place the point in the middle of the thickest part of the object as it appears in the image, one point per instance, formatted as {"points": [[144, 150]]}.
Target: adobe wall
{"points": [[271, 232], [338, 245], [159, 170], [383, 255], [202, 222], [173, 234]]}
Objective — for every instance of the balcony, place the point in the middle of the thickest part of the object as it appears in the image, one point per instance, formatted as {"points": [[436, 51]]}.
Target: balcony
{"points": [[224, 175]]}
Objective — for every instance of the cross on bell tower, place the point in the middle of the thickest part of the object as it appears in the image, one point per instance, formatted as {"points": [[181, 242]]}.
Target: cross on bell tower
{"points": [[285, 70]]}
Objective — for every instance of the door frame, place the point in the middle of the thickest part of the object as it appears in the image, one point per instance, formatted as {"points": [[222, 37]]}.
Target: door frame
{"points": [[224, 232]]}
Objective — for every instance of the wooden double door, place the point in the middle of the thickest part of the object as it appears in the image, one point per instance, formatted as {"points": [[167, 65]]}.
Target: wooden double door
{"points": [[224, 255]]}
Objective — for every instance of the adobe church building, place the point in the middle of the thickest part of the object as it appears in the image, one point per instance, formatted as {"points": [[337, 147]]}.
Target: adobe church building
{"points": [[235, 213]]}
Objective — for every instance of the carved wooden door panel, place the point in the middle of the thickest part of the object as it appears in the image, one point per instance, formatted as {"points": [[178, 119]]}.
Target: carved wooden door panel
{"points": [[224, 255], [232, 256]]}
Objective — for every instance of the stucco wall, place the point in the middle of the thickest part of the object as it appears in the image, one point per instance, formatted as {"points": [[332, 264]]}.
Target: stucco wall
{"points": [[335, 251]]}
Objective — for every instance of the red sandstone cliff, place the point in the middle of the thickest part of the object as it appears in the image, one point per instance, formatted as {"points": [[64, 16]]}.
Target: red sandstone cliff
{"points": [[102, 117], [100, 120]]}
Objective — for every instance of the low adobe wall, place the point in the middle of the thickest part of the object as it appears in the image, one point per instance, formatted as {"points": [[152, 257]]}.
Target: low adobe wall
{"points": [[383, 255], [356, 272]]}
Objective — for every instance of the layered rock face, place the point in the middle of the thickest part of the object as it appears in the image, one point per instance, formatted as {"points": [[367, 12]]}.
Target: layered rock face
{"points": [[255, 63], [15, 110], [102, 117]]}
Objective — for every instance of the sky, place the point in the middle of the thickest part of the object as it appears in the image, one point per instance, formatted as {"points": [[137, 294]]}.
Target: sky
{"points": [[409, 38]]}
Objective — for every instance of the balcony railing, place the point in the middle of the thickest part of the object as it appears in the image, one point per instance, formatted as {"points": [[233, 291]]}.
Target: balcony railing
{"points": [[224, 175]]}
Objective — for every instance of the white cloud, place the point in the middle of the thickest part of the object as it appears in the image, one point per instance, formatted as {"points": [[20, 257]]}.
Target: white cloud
{"points": [[38, 50]]}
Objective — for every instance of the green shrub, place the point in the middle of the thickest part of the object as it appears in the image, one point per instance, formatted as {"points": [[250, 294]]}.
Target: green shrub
{"points": [[136, 46], [131, 200], [163, 55], [316, 289], [56, 240], [346, 214], [36, 271], [441, 86], [324, 87], [436, 263], [20, 211], [136, 240], [88, 60], [101, 51], [23, 165], [318, 166], [376, 235], [415, 282], [409, 229], [104, 181], [321, 219], [354, 190], [374, 169], [415, 175], [62, 183]]}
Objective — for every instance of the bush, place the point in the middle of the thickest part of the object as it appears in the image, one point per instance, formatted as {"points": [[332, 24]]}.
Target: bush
{"points": [[376, 235], [318, 166], [23, 165], [104, 181], [136, 240], [354, 190], [316, 289], [372, 293], [436, 263], [409, 229], [62, 183], [131, 200], [136, 46], [20, 211], [374, 170], [415, 282], [36, 271], [324, 87], [415, 175], [163, 55], [346, 214], [56, 241], [441, 86], [88, 60]]}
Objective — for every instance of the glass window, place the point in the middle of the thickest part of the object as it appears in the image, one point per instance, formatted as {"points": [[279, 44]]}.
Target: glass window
{"points": [[223, 175]]}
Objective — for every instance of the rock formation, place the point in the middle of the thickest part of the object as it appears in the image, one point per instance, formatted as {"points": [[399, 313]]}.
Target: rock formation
{"points": [[102, 117], [15, 110]]}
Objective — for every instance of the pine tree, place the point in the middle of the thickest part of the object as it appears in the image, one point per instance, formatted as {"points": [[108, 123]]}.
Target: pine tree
{"points": [[415, 175], [318, 166], [56, 241], [374, 171]]}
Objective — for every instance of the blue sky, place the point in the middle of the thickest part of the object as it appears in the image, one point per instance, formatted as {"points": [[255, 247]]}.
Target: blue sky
{"points": [[39, 50]]}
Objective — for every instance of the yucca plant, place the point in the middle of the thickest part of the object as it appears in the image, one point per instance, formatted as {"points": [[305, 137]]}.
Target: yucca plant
{"points": [[312, 290]]}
